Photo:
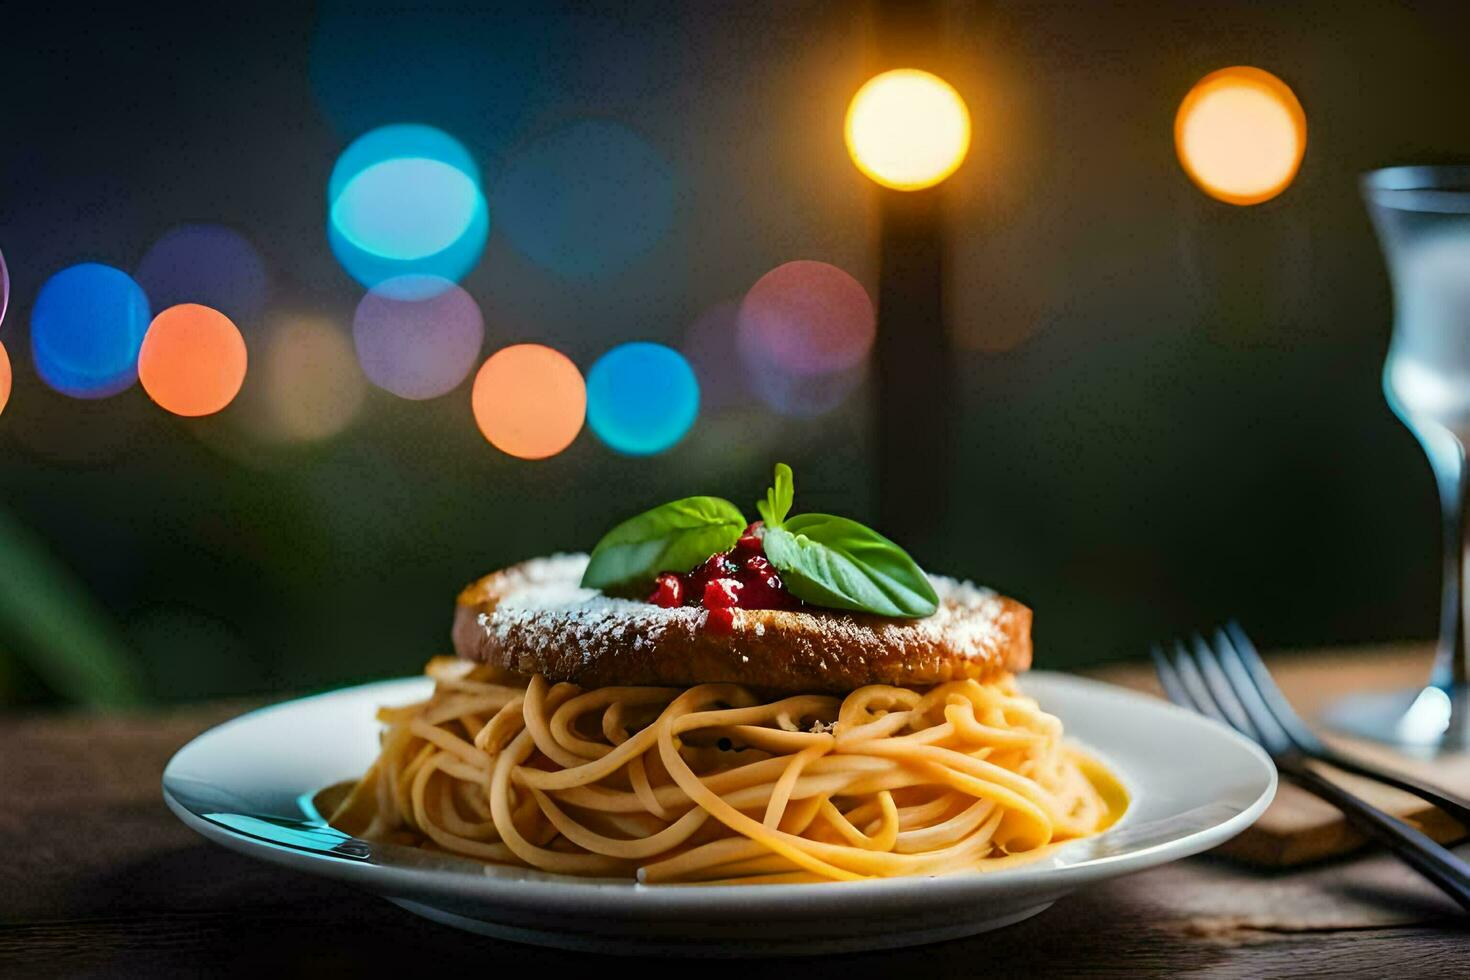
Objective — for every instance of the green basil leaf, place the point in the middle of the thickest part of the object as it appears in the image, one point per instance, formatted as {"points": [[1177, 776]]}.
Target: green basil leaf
{"points": [[673, 537], [778, 497], [841, 564]]}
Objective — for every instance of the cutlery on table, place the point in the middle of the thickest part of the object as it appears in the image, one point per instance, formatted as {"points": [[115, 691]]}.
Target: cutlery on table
{"points": [[1226, 680]]}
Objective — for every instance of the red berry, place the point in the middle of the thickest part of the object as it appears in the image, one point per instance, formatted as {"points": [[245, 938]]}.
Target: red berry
{"points": [[668, 591], [722, 593], [741, 578], [766, 593], [750, 542], [758, 566], [715, 566]]}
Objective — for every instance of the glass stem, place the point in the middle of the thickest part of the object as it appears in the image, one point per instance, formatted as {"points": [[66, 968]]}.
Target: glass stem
{"points": [[1452, 662]]}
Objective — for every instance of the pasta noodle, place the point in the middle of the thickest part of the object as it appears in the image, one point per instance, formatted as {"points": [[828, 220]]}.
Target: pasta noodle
{"points": [[718, 784]]}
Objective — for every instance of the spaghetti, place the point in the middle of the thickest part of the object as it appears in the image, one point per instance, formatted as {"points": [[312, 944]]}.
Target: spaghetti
{"points": [[715, 783]]}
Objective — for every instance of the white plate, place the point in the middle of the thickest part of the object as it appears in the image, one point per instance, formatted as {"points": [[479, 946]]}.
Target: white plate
{"points": [[248, 785]]}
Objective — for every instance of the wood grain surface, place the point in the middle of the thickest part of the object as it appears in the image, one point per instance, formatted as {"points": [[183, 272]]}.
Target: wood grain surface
{"points": [[99, 879]]}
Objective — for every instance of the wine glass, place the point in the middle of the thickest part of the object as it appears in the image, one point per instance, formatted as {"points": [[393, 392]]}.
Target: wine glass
{"points": [[1422, 216]]}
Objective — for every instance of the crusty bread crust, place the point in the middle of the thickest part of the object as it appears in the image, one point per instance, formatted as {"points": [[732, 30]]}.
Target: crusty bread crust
{"points": [[534, 618]]}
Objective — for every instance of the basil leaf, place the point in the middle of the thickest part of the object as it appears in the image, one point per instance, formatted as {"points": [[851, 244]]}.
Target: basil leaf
{"points": [[673, 537], [841, 564], [778, 497]]}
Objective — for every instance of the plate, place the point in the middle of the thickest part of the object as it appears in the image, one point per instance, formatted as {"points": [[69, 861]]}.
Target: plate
{"points": [[248, 784]]}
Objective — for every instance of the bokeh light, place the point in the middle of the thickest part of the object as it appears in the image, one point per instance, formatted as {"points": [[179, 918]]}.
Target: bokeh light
{"points": [[907, 129], [309, 381], [405, 201], [87, 324], [803, 396], [641, 398], [5, 379], [1240, 134], [473, 68], [417, 348], [807, 318], [193, 360], [735, 376], [208, 264], [400, 141], [4, 288], [406, 209], [304, 389], [712, 349], [586, 200], [529, 401], [6, 375]]}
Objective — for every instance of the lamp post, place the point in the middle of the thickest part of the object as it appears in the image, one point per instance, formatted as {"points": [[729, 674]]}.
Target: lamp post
{"points": [[908, 130]]}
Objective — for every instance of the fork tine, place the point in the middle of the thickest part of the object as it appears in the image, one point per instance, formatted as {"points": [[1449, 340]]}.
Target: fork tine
{"points": [[1248, 662], [1225, 684], [1273, 734], [1199, 692], [1222, 691], [1217, 686], [1265, 686], [1174, 688]]}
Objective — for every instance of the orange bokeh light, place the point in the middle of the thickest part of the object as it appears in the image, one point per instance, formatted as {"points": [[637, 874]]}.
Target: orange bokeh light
{"points": [[4, 378], [529, 401], [192, 361], [1240, 134]]}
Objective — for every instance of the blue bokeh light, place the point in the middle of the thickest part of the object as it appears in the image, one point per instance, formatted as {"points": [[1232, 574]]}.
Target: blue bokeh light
{"points": [[207, 264], [399, 141], [586, 200], [480, 69], [641, 398], [405, 201], [87, 325], [406, 208], [490, 71]]}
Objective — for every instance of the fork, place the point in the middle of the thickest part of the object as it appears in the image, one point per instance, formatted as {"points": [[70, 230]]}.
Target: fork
{"points": [[1312, 746], [1229, 683]]}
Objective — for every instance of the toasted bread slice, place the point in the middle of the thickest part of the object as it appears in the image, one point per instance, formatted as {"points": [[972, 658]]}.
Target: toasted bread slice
{"points": [[535, 618]]}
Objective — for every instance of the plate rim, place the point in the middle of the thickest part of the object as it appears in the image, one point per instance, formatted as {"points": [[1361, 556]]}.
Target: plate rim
{"points": [[621, 899]]}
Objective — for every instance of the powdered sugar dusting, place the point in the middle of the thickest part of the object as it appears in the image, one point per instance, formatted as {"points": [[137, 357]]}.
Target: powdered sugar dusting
{"points": [[540, 609], [542, 603], [969, 619]]}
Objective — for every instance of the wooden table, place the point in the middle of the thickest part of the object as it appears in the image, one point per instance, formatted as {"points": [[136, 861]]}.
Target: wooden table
{"points": [[99, 878]]}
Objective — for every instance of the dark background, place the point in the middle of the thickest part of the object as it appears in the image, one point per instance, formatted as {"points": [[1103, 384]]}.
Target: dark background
{"points": [[1168, 408]]}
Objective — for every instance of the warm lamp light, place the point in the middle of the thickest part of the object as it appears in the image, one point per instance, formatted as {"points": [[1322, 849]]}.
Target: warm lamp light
{"points": [[907, 129], [1240, 134], [4, 378], [310, 381], [529, 401], [193, 360]]}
